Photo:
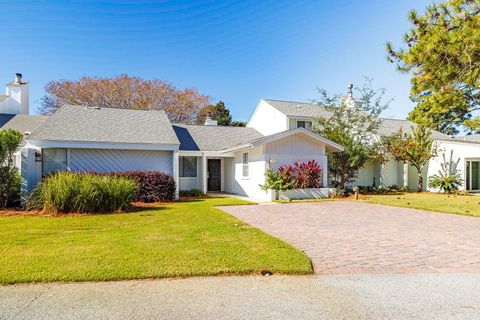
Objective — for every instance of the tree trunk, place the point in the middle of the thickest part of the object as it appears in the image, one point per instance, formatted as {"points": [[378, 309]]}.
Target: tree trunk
{"points": [[420, 182]]}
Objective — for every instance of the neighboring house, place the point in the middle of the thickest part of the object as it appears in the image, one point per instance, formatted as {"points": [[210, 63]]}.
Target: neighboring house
{"points": [[273, 116]]}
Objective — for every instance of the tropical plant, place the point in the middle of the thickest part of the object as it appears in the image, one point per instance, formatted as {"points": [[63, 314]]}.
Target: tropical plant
{"points": [[307, 175], [448, 179], [10, 141], [353, 125], [274, 181], [68, 192], [442, 52], [417, 147]]}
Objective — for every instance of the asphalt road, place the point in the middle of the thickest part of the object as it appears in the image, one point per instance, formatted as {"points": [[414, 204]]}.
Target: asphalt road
{"points": [[419, 296]]}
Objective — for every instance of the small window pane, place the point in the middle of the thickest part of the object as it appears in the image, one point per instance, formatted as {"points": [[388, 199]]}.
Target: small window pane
{"points": [[188, 167], [54, 160], [304, 124], [245, 164]]}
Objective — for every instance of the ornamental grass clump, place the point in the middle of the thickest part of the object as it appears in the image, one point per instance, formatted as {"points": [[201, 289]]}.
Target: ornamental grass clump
{"points": [[68, 192]]}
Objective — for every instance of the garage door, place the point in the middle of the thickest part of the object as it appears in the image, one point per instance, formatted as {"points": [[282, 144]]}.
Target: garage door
{"points": [[120, 160]]}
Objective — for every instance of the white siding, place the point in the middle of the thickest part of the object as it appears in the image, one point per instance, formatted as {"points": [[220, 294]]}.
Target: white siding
{"points": [[461, 150], [99, 160], [268, 120], [296, 145], [246, 186]]}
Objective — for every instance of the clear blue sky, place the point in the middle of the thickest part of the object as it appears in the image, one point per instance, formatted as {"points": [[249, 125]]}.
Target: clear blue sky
{"points": [[236, 51]]}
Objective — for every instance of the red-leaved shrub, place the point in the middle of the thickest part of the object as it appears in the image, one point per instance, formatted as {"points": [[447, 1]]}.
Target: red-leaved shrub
{"points": [[303, 174], [153, 186]]}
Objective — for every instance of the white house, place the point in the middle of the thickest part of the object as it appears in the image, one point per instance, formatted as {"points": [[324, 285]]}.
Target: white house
{"points": [[207, 157], [271, 116]]}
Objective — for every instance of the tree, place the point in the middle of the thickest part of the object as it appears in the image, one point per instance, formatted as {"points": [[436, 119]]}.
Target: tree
{"points": [[238, 123], [442, 52], [125, 92], [217, 112], [354, 125], [10, 141], [417, 147]]}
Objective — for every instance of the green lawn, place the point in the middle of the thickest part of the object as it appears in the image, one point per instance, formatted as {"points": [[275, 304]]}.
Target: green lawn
{"points": [[464, 205], [179, 239]]}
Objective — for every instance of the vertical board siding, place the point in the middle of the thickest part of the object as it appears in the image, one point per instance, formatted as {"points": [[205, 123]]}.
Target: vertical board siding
{"points": [[98, 160], [296, 145]]}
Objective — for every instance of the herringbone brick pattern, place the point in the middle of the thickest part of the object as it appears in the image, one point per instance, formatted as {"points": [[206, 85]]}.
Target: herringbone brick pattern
{"points": [[344, 237]]}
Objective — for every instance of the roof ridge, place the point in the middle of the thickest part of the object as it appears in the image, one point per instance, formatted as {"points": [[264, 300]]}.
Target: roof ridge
{"points": [[202, 125], [109, 108], [290, 101]]}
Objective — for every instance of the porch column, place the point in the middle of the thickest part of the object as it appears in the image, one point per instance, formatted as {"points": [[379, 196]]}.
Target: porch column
{"points": [[405, 174], [204, 172], [176, 173]]}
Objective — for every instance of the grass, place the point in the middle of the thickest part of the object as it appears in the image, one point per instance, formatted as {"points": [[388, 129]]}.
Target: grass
{"points": [[170, 240], [455, 204]]}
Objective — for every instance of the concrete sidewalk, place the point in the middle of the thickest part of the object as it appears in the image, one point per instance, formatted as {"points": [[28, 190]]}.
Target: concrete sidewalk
{"points": [[420, 296]]}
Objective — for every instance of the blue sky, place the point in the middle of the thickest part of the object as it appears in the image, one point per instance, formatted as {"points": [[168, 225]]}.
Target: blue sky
{"points": [[236, 51]]}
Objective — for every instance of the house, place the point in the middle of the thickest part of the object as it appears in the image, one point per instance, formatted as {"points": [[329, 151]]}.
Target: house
{"points": [[272, 116], [207, 157]]}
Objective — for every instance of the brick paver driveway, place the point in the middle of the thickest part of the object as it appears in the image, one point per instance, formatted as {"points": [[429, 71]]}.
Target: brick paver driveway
{"points": [[352, 237]]}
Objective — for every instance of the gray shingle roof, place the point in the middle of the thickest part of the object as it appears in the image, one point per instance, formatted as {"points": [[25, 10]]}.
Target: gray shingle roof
{"points": [[109, 125], [475, 138], [212, 138], [312, 110], [4, 118], [25, 123]]}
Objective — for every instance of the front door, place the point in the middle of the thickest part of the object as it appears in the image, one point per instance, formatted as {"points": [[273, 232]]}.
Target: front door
{"points": [[214, 175]]}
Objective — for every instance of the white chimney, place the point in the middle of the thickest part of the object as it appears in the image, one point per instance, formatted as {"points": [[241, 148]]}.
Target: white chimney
{"points": [[18, 97], [210, 122]]}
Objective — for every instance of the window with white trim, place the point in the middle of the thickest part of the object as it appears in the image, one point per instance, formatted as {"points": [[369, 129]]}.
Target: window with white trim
{"points": [[304, 124], [187, 167], [245, 164]]}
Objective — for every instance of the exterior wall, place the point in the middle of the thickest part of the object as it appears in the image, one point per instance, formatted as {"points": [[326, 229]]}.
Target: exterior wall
{"points": [[268, 120], [101, 160], [391, 174], [247, 186], [30, 171], [284, 151], [461, 150]]}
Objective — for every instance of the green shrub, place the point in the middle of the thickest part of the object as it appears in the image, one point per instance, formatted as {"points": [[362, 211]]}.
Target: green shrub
{"points": [[67, 192], [191, 193]]}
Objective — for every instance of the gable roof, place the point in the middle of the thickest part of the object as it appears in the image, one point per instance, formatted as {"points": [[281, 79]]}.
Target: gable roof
{"points": [[313, 110], [212, 138], [4, 118], [106, 125], [330, 145]]}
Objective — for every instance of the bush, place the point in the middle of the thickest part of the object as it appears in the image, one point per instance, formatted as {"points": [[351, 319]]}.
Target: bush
{"points": [[304, 175], [192, 193], [153, 186], [69, 192], [276, 181], [10, 141]]}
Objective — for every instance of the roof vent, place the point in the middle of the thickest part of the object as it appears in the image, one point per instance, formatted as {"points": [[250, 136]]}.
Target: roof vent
{"points": [[92, 108], [210, 122], [18, 78]]}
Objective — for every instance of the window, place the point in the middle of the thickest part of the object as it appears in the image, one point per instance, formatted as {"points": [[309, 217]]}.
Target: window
{"points": [[54, 160], [245, 164], [304, 124], [188, 167]]}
